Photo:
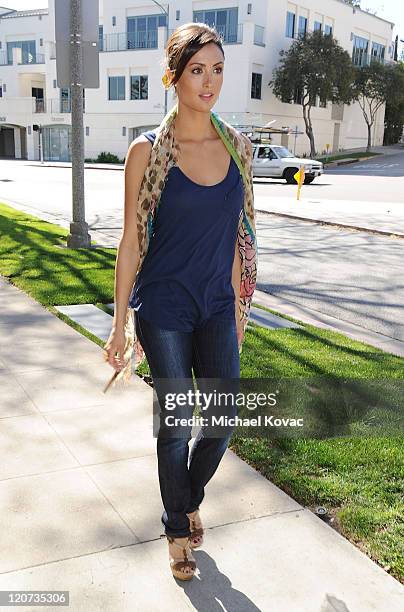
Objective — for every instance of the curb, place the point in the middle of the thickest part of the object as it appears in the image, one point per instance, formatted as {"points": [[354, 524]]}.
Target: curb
{"points": [[334, 223], [86, 166], [344, 162]]}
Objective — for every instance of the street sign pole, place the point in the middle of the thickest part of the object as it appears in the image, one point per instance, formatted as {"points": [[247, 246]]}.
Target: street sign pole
{"points": [[79, 236]]}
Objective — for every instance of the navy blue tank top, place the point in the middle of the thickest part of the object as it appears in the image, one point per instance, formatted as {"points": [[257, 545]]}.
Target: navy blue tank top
{"points": [[186, 274]]}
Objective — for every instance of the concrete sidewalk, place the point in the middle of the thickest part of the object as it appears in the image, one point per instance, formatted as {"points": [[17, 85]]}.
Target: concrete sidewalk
{"points": [[379, 217], [81, 504]]}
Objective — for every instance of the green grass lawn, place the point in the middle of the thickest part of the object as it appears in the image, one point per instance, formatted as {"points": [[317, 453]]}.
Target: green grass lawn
{"points": [[359, 480], [359, 155]]}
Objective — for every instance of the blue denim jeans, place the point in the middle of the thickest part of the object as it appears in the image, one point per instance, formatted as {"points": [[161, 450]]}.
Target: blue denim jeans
{"points": [[211, 352]]}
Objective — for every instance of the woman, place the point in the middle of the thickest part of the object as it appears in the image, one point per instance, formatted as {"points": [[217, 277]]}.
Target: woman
{"points": [[187, 292]]}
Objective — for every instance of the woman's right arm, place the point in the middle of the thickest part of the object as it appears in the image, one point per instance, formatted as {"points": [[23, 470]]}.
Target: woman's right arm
{"points": [[127, 259]]}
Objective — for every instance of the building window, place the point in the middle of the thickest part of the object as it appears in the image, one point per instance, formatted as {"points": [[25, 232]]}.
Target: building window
{"points": [[1, 44], [290, 24], [116, 88], [249, 8], [328, 30], [142, 31], [256, 83], [114, 21], [41, 42], [317, 26], [87, 131], [259, 34], [378, 51], [177, 15], [124, 131], [1, 91], [57, 142], [139, 87], [323, 103], [28, 51], [65, 106], [360, 51], [65, 100], [54, 83], [224, 20], [302, 27], [101, 37]]}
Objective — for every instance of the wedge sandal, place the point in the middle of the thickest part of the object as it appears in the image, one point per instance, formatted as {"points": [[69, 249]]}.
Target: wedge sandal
{"points": [[196, 529], [182, 567]]}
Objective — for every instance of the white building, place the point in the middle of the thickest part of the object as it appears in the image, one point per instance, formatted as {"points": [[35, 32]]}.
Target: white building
{"points": [[130, 98]]}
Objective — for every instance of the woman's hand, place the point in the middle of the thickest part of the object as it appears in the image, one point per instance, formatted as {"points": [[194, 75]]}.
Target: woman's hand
{"points": [[114, 348]]}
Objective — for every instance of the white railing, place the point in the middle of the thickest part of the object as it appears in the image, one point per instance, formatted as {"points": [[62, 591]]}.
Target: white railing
{"points": [[231, 35], [3, 58], [32, 58], [123, 41], [53, 105]]}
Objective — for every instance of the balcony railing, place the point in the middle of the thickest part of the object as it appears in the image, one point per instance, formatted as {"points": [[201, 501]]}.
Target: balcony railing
{"points": [[3, 58], [362, 59], [29, 58], [123, 41], [259, 35], [32, 58], [231, 35], [53, 105]]}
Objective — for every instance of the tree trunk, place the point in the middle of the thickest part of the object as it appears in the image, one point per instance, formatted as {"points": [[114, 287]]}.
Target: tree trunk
{"points": [[369, 137], [309, 129]]}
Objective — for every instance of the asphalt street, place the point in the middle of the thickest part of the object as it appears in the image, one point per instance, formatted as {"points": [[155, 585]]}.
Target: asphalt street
{"points": [[380, 179], [354, 276]]}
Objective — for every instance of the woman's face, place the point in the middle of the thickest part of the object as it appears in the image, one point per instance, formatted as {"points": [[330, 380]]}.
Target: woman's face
{"points": [[203, 74]]}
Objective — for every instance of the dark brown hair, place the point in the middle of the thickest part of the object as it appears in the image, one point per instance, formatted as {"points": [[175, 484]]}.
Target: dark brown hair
{"points": [[185, 41]]}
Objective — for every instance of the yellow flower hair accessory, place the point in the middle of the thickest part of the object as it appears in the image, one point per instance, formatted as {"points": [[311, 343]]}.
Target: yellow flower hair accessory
{"points": [[168, 78]]}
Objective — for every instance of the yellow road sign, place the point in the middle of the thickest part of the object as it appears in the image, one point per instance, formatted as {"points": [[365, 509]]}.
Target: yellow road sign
{"points": [[299, 177]]}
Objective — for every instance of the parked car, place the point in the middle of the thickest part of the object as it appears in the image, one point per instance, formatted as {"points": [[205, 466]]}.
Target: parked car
{"points": [[275, 161]]}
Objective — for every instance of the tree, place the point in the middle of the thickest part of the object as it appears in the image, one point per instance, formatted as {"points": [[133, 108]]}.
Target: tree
{"points": [[394, 115], [315, 65], [374, 84]]}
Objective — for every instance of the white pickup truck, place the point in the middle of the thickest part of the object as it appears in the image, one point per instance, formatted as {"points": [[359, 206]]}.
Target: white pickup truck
{"points": [[275, 161]]}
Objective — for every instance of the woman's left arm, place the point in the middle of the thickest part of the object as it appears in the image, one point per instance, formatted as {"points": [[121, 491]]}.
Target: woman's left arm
{"points": [[236, 281]]}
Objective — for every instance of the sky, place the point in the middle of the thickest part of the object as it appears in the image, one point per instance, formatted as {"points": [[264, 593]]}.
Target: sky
{"points": [[392, 10]]}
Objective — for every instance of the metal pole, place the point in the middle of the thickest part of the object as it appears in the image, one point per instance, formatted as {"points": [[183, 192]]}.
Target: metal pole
{"points": [[79, 236], [40, 144], [166, 13]]}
